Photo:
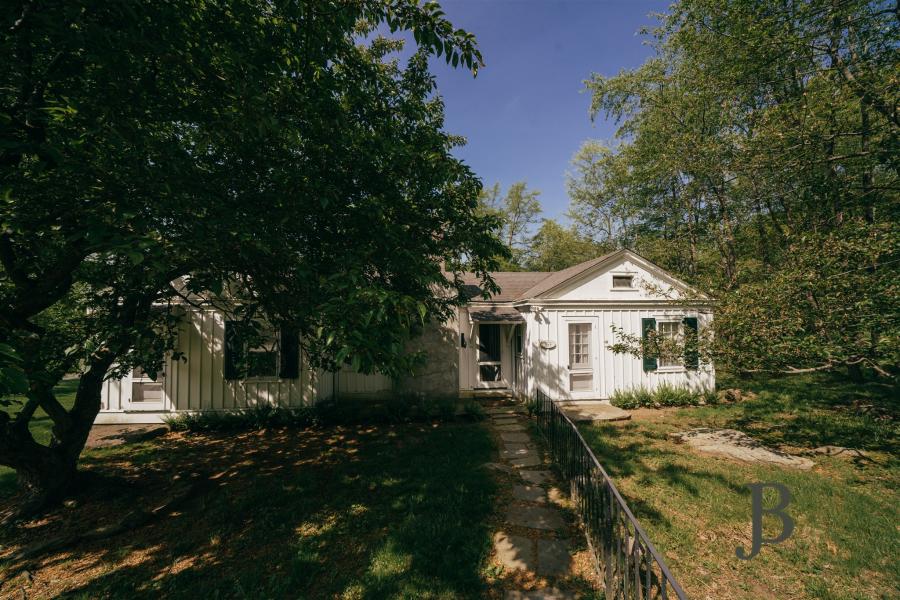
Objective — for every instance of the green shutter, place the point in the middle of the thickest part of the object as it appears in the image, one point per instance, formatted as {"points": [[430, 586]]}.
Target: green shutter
{"points": [[290, 353], [234, 350], [648, 325], [691, 348]]}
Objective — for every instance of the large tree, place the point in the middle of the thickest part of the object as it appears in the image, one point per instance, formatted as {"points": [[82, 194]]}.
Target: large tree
{"points": [[518, 211], [276, 157], [555, 247], [598, 183], [758, 150]]}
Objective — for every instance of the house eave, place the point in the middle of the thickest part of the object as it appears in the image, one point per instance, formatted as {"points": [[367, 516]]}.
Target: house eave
{"points": [[643, 302], [647, 264]]}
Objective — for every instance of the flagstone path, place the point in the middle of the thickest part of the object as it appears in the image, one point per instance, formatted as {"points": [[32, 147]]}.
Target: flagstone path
{"points": [[535, 537]]}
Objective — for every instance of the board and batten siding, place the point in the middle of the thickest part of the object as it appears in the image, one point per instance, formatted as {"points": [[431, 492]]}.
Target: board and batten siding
{"points": [[197, 382], [547, 368]]}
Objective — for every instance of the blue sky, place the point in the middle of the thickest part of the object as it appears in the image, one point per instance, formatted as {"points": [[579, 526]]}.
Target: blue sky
{"points": [[525, 114]]}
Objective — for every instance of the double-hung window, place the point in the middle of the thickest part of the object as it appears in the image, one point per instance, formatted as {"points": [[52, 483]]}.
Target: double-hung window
{"points": [[670, 336], [263, 357], [671, 344], [268, 354]]}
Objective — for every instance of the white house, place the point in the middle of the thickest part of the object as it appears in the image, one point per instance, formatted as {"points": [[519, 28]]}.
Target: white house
{"points": [[542, 330]]}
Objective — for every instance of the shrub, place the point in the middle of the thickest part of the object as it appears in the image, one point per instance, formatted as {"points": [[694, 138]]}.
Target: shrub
{"points": [[253, 418], [664, 394], [625, 398], [709, 396], [473, 410], [532, 405], [341, 411]]}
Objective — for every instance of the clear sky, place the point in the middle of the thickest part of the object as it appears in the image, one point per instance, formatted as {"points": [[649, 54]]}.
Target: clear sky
{"points": [[526, 113]]}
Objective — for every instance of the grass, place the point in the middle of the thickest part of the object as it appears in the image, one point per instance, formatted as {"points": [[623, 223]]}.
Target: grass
{"points": [[40, 426], [696, 507], [392, 511]]}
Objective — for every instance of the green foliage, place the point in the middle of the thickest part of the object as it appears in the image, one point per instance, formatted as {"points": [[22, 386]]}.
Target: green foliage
{"points": [[474, 410], [517, 211], [554, 248], [823, 308], [756, 158], [597, 185], [340, 411], [532, 406], [665, 394], [277, 161], [12, 378], [255, 418]]}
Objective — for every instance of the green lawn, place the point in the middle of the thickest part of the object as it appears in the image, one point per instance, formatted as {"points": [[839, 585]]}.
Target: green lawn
{"points": [[352, 512], [40, 426], [696, 507]]}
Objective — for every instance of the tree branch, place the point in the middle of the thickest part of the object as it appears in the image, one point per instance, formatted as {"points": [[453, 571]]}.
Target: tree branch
{"points": [[56, 411]]}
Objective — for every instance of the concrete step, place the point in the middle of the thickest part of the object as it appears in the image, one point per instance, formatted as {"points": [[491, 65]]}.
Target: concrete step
{"points": [[495, 394], [593, 411]]}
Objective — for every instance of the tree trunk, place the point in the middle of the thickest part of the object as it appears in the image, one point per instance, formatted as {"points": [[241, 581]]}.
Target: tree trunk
{"points": [[46, 474], [43, 482]]}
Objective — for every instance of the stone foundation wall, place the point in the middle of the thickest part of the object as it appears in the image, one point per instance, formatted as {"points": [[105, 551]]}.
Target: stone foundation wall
{"points": [[439, 376]]}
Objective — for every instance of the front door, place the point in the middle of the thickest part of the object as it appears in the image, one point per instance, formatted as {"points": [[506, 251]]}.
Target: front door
{"points": [[490, 371], [582, 348]]}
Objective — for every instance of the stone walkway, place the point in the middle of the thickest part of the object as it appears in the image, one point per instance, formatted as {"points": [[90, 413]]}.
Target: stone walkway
{"points": [[535, 537]]}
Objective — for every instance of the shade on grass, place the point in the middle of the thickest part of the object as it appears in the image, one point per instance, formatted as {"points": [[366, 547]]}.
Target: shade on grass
{"points": [[359, 512], [696, 508]]}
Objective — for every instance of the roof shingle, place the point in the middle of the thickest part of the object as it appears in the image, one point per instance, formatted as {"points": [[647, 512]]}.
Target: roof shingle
{"points": [[519, 285], [512, 284]]}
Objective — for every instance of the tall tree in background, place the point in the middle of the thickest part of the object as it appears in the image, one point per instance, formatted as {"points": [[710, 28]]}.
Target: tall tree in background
{"points": [[555, 247], [518, 211], [759, 151], [598, 187], [273, 155]]}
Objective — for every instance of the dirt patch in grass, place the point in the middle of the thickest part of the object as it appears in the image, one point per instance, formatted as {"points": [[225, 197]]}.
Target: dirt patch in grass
{"points": [[345, 512]]}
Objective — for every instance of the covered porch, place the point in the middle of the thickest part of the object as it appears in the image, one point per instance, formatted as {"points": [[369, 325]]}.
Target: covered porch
{"points": [[495, 354]]}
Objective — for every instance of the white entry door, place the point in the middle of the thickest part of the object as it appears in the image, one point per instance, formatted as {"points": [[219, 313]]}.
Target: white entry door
{"points": [[146, 392], [582, 351]]}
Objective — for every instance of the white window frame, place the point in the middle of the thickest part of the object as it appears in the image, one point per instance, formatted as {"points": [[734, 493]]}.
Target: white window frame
{"points": [[139, 377], [679, 332], [613, 286]]}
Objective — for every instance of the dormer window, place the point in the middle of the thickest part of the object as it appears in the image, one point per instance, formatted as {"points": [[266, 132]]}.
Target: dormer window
{"points": [[622, 281]]}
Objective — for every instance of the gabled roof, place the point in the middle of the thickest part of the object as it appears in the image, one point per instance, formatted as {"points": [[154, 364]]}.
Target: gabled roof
{"points": [[522, 285], [512, 284], [559, 277]]}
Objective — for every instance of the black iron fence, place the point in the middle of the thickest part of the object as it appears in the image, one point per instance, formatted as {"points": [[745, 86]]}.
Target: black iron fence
{"points": [[631, 567]]}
